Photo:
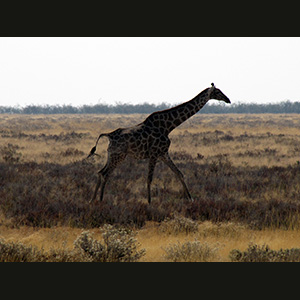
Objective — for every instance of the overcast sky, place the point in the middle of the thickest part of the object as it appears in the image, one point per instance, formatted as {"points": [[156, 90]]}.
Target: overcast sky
{"points": [[135, 70]]}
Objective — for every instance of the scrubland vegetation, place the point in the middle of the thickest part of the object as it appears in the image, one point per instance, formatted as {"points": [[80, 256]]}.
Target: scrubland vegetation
{"points": [[284, 107], [243, 172]]}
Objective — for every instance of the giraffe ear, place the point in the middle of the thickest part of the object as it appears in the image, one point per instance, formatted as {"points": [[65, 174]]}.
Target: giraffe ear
{"points": [[211, 90]]}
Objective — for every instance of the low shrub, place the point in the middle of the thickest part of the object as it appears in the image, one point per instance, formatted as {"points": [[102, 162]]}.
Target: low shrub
{"points": [[50, 194], [119, 245], [9, 153], [191, 252], [71, 152], [18, 252], [224, 229], [263, 253], [178, 224]]}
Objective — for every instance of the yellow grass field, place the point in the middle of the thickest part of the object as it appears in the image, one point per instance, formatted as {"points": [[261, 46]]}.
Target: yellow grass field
{"points": [[240, 133], [154, 242], [217, 144]]}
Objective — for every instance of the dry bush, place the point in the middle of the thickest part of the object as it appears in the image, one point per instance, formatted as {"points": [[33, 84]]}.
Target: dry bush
{"points": [[263, 253], [119, 245], [63, 255], [178, 224], [192, 252], [9, 153], [56, 190], [48, 194], [72, 152], [224, 229], [69, 137], [18, 252]]}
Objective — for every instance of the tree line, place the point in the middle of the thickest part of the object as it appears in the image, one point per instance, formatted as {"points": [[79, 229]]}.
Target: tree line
{"points": [[284, 107]]}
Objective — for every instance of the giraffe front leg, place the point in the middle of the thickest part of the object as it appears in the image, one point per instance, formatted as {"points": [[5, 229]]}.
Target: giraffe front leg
{"points": [[168, 161], [103, 183], [97, 187], [152, 163]]}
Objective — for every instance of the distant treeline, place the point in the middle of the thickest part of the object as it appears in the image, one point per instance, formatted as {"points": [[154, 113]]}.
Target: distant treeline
{"points": [[285, 107]]}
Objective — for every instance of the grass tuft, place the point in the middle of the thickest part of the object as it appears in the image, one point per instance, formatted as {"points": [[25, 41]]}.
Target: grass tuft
{"points": [[194, 251]]}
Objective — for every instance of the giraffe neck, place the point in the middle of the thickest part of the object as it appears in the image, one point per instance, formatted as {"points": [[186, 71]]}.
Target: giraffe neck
{"points": [[178, 114]]}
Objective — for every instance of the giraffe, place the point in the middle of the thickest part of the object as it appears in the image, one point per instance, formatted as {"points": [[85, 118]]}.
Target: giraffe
{"points": [[149, 140]]}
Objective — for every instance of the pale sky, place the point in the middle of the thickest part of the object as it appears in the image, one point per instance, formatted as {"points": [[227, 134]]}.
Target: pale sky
{"points": [[89, 70]]}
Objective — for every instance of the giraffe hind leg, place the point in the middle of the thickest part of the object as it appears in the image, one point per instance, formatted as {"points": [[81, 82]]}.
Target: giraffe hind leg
{"points": [[98, 184], [112, 162], [104, 180], [152, 163]]}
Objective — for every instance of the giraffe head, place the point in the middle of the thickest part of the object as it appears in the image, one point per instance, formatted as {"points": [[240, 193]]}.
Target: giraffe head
{"points": [[217, 94]]}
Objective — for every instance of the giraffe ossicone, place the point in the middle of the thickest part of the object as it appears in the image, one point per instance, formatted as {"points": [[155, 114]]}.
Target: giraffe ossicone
{"points": [[149, 140]]}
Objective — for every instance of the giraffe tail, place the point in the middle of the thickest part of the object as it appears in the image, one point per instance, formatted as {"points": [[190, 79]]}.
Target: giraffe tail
{"points": [[92, 152]]}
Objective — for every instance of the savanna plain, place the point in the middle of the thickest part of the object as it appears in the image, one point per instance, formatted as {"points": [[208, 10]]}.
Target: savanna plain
{"points": [[243, 171]]}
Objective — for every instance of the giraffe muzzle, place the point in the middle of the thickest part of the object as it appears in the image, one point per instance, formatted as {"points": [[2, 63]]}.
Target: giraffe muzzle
{"points": [[227, 100]]}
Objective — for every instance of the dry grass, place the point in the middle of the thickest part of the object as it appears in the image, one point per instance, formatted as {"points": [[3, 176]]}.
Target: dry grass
{"points": [[155, 242], [230, 150], [265, 139]]}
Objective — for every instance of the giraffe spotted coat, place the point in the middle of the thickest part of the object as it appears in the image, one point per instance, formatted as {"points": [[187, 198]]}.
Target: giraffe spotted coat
{"points": [[149, 139]]}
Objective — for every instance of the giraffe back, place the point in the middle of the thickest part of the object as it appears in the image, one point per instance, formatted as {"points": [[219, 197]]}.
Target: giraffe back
{"points": [[141, 141]]}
